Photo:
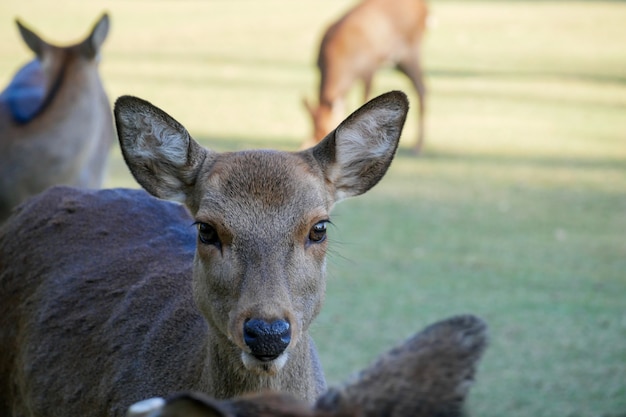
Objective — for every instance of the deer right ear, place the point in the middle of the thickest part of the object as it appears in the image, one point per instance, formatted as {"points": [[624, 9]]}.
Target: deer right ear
{"points": [[356, 155], [159, 151], [429, 374], [91, 46]]}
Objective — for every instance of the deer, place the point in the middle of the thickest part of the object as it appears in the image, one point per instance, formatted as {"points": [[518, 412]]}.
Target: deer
{"points": [[206, 280], [56, 125], [429, 375], [367, 37]]}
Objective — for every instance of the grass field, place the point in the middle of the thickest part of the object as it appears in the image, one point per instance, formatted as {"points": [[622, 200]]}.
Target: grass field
{"points": [[516, 211]]}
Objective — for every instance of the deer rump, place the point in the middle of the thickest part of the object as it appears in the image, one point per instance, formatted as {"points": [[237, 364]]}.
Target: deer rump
{"points": [[90, 298]]}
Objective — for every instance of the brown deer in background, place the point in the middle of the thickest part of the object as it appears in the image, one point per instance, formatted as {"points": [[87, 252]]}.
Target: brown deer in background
{"points": [[428, 376], [56, 125], [370, 35], [108, 297]]}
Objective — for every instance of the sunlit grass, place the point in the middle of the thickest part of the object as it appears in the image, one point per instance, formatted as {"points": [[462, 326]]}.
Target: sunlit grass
{"points": [[516, 211]]}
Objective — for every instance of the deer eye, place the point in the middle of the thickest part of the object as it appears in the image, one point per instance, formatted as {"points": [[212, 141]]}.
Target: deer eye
{"points": [[207, 234], [317, 234]]}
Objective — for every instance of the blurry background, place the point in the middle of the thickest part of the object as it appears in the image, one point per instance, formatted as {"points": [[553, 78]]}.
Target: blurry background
{"points": [[515, 211]]}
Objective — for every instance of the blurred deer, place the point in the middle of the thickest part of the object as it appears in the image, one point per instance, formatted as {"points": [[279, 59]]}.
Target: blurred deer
{"points": [[109, 297], [370, 35], [56, 125], [428, 376]]}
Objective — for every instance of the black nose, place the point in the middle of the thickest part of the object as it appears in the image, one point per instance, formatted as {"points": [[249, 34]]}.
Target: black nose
{"points": [[266, 340]]}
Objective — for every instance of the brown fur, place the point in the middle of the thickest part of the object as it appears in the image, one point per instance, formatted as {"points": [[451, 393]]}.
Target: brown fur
{"points": [[106, 301], [69, 139], [428, 376], [368, 36]]}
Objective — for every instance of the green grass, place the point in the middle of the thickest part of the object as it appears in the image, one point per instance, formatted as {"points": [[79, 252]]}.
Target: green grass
{"points": [[516, 211]]}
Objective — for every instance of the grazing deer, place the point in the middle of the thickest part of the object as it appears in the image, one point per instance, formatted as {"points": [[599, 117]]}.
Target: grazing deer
{"points": [[370, 35], [428, 376], [56, 125], [108, 297]]}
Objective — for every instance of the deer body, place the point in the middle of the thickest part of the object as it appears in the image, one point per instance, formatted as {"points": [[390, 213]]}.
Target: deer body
{"points": [[56, 125], [369, 36], [112, 296]]}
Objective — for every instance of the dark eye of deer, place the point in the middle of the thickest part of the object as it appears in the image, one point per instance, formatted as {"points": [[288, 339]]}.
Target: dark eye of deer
{"points": [[207, 234], [317, 233]]}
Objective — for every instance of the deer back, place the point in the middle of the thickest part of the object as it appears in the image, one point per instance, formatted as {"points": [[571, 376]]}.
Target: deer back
{"points": [[96, 285], [56, 124]]}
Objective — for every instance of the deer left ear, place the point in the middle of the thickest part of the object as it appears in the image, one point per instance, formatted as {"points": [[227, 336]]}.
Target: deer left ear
{"points": [[32, 40], [144, 408], [180, 405]]}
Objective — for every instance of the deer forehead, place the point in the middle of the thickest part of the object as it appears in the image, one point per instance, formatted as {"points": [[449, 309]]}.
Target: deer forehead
{"points": [[264, 189]]}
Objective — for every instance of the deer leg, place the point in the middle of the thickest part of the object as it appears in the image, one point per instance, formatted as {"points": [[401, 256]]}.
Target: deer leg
{"points": [[412, 68], [367, 86]]}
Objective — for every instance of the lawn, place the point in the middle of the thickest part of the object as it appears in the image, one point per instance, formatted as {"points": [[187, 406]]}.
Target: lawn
{"points": [[515, 211]]}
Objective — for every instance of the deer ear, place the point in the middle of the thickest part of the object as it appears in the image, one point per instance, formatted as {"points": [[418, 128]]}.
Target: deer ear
{"points": [[194, 405], [91, 46], [32, 40], [159, 151], [429, 374], [356, 155], [144, 408]]}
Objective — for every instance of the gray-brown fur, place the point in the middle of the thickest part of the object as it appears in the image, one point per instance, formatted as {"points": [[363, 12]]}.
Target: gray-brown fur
{"points": [[369, 36], [69, 138], [429, 375], [105, 299]]}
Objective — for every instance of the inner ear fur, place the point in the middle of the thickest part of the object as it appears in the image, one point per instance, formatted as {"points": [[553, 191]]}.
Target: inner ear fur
{"points": [[161, 155], [357, 154]]}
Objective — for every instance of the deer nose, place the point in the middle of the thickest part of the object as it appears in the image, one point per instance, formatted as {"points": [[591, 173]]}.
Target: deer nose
{"points": [[266, 340]]}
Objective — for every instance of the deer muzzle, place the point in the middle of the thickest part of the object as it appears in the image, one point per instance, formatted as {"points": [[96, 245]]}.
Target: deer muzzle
{"points": [[266, 340]]}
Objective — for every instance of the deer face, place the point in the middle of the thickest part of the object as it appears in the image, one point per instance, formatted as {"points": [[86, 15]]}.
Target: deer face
{"points": [[260, 263], [261, 216]]}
